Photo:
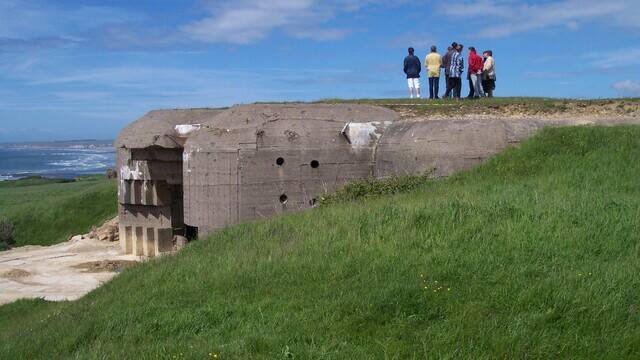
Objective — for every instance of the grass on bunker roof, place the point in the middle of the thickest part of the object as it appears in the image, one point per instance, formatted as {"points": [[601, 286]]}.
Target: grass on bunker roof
{"points": [[532, 255], [505, 106], [48, 211]]}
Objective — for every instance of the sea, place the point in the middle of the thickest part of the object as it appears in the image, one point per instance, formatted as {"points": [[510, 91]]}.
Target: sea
{"points": [[58, 159]]}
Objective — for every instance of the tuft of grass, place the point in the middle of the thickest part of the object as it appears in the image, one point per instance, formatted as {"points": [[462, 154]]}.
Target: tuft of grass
{"points": [[533, 255], [48, 211]]}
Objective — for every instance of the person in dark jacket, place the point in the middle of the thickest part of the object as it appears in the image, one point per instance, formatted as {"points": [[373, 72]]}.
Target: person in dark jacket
{"points": [[446, 64], [412, 67]]}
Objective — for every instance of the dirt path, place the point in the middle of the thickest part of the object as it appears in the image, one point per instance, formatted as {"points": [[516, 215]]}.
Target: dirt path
{"points": [[64, 271]]}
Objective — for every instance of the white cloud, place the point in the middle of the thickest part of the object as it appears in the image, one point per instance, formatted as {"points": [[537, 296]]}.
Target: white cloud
{"points": [[627, 87], [615, 59], [110, 90], [604, 60], [29, 18], [25, 64], [161, 80], [504, 17], [320, 34], [33, 24], [245, 21], [81, 95], [421, 42], [550, 74]]}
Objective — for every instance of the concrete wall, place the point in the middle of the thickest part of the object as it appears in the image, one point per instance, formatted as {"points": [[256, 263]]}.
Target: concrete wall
{"points": [[443, 147], [208, 169], [150, 199], [258, 161], [150, 192]]}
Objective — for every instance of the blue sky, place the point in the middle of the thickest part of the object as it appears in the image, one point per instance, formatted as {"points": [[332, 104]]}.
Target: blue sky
{"points": [[84, 69]]}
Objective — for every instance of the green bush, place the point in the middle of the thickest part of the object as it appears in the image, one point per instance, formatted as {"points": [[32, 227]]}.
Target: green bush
{"points": [[371, 188], [6, 234]]}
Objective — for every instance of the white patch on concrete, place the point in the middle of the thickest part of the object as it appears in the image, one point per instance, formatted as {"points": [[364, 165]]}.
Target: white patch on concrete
{"points": [[131, 172], [364, 134], [186, 129], [50, 272], [186, 156]]}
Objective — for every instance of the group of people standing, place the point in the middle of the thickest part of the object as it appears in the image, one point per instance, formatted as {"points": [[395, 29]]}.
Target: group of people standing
{"points": [[481, 72]]}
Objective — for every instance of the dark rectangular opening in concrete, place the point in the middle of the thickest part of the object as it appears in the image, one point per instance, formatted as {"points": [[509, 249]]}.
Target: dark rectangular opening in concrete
{"points": [[190, 232]]}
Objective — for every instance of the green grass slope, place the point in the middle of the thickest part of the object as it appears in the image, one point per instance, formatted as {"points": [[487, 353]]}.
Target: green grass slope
{"points": [[46, 212], [533, 255]]}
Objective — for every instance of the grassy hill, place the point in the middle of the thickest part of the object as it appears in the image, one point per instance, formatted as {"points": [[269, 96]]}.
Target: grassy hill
{"points": [[533, 255], [46, 212]]}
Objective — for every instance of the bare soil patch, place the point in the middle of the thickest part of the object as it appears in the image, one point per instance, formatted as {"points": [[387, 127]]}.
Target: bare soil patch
{"points": [[65, 271], [15, 274], [105, 265]]}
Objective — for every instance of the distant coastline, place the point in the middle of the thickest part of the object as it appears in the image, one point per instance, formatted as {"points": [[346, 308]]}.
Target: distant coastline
{"points": [[80, 144], [55, 159]]}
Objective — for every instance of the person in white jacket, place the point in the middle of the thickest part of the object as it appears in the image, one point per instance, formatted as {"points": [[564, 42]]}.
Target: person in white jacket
{"points": [[489, 73]]}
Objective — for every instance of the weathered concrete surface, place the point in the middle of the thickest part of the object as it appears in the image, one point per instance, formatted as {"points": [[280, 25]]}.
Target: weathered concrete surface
{"points": [[442, 147], [158, 128], [149, 198], [257, 161], [149, 162], [58, 272]]}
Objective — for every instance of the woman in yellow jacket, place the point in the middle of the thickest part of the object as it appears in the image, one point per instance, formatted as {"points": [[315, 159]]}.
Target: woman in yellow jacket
{"points": [[433, 63]]}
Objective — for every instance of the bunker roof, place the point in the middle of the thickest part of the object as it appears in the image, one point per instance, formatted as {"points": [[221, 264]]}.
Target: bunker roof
{"points": [[301, 124], [158, 128]]}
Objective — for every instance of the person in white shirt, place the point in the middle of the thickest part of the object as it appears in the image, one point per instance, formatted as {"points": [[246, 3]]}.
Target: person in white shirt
{"points": [[489, 73]]}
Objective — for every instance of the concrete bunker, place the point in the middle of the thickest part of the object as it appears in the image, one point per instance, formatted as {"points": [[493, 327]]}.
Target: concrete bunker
{"points": [[192, 172], [150, 191]]}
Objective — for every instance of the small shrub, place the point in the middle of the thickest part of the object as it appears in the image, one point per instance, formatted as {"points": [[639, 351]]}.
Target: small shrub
{"points": [[111, 173], [373, 187], [6, 234]]}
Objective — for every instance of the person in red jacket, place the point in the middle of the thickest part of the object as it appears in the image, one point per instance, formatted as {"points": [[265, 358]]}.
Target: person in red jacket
{"points": [[475, 72]]}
